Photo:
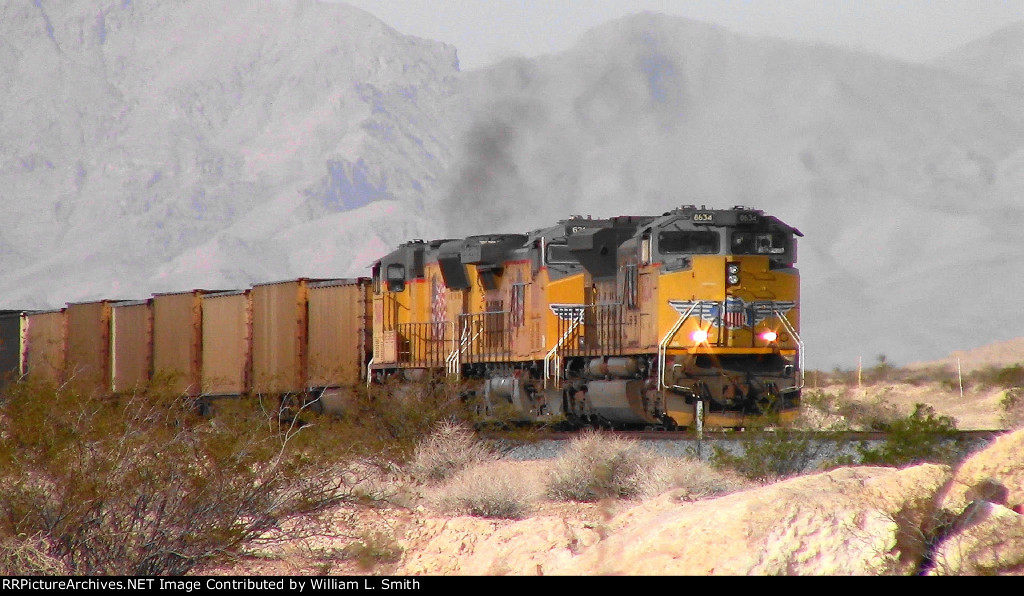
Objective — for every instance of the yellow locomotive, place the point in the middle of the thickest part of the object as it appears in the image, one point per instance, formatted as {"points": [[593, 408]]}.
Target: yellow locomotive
{"points": [[683, 319]]}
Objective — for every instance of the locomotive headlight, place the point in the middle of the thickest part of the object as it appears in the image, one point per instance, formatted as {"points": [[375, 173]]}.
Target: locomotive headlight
{"points": [[732, 273], [699, 336], [769, 336]]}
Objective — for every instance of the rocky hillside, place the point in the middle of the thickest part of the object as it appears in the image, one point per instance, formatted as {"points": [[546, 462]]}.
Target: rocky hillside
{"points": [[926, 519]]}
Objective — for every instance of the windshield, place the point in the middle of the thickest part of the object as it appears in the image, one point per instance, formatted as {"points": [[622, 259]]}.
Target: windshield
{"points": [[699, 242], [758, 243], [559, 254]]}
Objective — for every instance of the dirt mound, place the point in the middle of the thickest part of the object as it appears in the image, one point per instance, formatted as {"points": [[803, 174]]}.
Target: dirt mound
{"points": [[999, 354]]}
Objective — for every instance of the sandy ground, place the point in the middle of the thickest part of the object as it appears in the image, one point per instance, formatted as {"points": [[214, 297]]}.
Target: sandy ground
{"points": [[977, 409], [973, 407]]}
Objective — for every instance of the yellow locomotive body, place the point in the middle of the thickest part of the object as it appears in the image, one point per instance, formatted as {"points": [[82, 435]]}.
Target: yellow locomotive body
{"points": [[687, 318]]}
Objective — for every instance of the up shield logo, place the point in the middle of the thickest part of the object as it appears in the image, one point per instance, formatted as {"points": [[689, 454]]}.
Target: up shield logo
{"points": [[735, 312]]}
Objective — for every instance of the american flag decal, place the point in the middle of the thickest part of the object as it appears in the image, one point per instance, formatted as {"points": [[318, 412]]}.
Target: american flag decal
{"points": [[518, 304], [438, 306], [735, 313]]}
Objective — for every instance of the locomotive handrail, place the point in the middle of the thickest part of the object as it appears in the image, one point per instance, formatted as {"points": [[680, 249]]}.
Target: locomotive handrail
{"points": [[453, 363], [799, 344], [663, 345], [486, 337], [466, 325], [575, 320], [454, 359], [602, 330]]}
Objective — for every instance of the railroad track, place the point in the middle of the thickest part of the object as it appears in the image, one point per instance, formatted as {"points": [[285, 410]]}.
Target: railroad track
{"points": [[746, 435], [823, 445]]}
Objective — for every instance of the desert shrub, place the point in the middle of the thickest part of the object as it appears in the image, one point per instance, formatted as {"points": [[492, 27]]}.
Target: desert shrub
{"points": [[29, 555], [492, 491], [881, 372], [448, 449], [840, 411], [923, 436], [1012, 404], [596, 466], [696, 479], [943, 375], [390, 419], [143, 485], [838, 376], [820, 410], [1011, 376], [819, 400], [875, 414], [1005, 377], [771, 455]]}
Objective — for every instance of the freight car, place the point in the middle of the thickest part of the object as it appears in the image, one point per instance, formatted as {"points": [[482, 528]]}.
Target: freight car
{"points": [[686, 318], [305, 338]]}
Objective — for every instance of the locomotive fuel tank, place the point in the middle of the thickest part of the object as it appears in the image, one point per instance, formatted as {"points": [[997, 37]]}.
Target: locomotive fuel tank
{"points": [[614, 366], [624, 402], [522, 395]]}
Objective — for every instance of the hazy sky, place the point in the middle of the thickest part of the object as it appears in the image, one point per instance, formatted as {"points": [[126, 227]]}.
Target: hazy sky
{"points": [[485, 31]]}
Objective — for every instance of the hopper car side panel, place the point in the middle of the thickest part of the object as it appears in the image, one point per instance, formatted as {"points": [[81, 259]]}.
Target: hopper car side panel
{"points": [[227, 336], [44, 351], [178, 340], [131, 346], [11, 331], [339, 339]]}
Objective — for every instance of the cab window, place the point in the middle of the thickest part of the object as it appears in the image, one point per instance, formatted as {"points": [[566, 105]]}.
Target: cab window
{"points": [[758, 243], [697, 242], [645, 248], [559, 254], [396, 277]]}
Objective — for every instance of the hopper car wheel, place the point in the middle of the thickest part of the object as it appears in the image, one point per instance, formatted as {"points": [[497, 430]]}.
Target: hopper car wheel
{"points": [[289, 406]]}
